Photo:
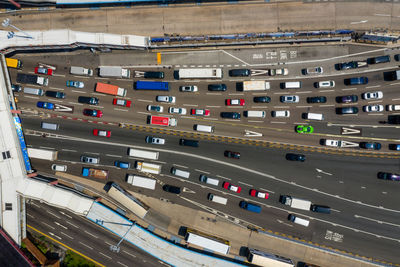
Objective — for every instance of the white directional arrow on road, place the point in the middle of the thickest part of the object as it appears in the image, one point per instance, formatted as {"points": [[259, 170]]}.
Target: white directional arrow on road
{"points": [[349, 144], [187, 190], [63, 108], [321, 171], [251, 133]]}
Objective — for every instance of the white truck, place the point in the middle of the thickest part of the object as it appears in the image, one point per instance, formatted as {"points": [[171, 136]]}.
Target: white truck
{"points": [[138, 153], [114, 71], [141, 181], [256, 86], [203, 73], [81, 71], [148, 167], [45, 154], [295, 203]]}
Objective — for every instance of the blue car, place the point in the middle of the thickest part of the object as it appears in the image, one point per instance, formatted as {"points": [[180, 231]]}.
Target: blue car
{"points": [[45, 105], [122, 164]]}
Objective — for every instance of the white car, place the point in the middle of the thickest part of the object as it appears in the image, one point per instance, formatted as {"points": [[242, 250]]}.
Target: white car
{"points": [[290, 99], [155, 140], [59, 168], [181, 111], [166, 99], [392, 107], [373, 108], [312, 70], [332, 143], [324, 84], [372, 95], [188, 88]]}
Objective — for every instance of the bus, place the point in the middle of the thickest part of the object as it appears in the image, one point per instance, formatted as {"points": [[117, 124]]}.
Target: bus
{"points": [[13, 63], [137, 153], [208, 73], [126, 199], [207, 241], [148, 85], [265, 259]]}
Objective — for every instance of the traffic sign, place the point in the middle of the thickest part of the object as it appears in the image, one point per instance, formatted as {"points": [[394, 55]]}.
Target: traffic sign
{"points": [[63, 108], [351, 131]]}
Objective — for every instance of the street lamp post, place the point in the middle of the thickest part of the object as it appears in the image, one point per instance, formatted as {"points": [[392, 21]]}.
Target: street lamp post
{"points": [[116, 248], [11, 34]]}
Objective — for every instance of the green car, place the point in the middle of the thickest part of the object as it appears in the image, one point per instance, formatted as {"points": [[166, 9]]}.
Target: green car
{"points": [[304, 129]]}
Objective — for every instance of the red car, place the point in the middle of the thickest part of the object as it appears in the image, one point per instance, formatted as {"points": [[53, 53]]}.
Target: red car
{"points": [[231, 187], [45, 71], [93, 112], [122, 102], [234, 102], [200, 112], [98, 132], [255, 193]]}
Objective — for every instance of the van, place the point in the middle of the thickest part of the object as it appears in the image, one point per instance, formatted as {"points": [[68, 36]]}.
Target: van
{"points": [[313, 116], [33, 91], [377, 60], [180, 173], [208, 180], [298, 220], [217, 199], [280, 114], [291, 85], [320, 209], [204, 128], [50, 126], [59, 168], [254, 114], [154, 74]]}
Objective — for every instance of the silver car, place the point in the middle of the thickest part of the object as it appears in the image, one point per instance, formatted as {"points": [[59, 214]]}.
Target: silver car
{"points": [[155, 140], [290, 99], [166, 99], [88, 159]]}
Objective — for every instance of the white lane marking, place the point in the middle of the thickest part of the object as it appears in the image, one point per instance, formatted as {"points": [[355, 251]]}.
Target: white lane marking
{"points": [[303, 106], [85, 245], [373, 86], [55, 88], [70, 223], [105, 255], [303, 92], [48, 225], [282, 222], [321, 171], [326, 91], [235, 107], [348, 89], [326, 106], [59, 224], [212, 106], [395, 83], [49, 212], [181, 166], [144, 100], [66, 235], [69, 150], [223, 177], [30, 216], [190, 105], [145, 113], [120, 109], [395, 99], [50, 233], [255, 121], [130, 254], [375, 114], [75, 103], [281, 106], [91, 234], [382, 15], [79, 92], [359, 22], [269, 191], [236, 94], [122, 264], [114, 156], [201, 171], [375, 101], [249, 185], [66, 215], [374, 220], [282, 122]]}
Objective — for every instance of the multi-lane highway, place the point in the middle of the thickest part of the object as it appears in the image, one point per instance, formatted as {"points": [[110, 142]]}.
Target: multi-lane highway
{"points": [[364, 208]]}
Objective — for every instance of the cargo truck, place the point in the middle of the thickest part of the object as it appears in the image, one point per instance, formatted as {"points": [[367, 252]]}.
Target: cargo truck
{"points": [[196, 73], [141, 181], [295, 203], [148, 167], [95, 173], [115, 72], [81, 71], [162, 121], [249, 206], [110, 89], [42, 154], [32, 79], [256, 86]]}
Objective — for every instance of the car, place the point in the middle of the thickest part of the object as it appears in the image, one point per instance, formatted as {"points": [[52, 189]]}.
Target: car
{"points": [[188, 88], [88, 100], [256, 193], [181, 111], [104, 133], [171, 189], [304, 129], [200, 112], [55, 94], [234, 102], [155, 108], [280, 113], [59, 168], [166, 99], [231, 154], [372, 95], [392, 107], [388, 176], [394, 146], [155, 140], [346, 65], [231, 187], [239, 72], [122, 102], [188, 142], [316, 99], [397, 57], [16, 88], [295, 157], [274, 72], [93, 112], [217, 87], [330, 142], [370, 145], [347, 99], [75, 84], [289, 99], [356, 81], [45, 105], [230, 115], [45, 71], [324, 84], [262, 99], [312, 70], [88, 159], [373, 108], [122, 164], [346, 110]]}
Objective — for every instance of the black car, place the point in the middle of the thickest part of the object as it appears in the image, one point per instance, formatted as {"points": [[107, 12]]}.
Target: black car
{"points": [[217, 87], [347, 99], [356, 81], [188, 142], [346, 65], [239, 72], [154, 74], [320, 208], [88, 100], [397, 57], [388, 176], [55, 94], [316, 99], [172, 189], [370, 145], [231, 154], [347, 110], [262, 99], [295, 157], [16, 88], [230, 115]]}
